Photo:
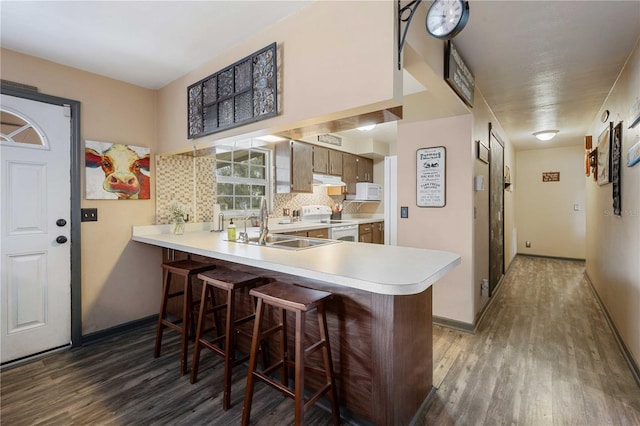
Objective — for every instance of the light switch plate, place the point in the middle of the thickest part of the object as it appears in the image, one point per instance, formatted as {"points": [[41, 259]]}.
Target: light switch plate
{"points": [[404, 212]]}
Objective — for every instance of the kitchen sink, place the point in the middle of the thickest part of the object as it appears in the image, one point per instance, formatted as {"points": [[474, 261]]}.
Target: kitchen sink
{"points": [[290, 242], [300, 243]]}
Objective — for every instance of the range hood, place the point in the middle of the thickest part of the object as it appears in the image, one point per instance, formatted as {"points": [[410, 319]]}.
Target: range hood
{"points": [[327, 180]]}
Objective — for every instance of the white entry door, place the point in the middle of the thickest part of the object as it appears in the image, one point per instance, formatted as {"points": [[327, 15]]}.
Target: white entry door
{"points": [[35, 308]]}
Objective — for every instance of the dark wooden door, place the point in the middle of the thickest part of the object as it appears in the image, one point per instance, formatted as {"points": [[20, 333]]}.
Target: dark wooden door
{"points": [[496, 210]]}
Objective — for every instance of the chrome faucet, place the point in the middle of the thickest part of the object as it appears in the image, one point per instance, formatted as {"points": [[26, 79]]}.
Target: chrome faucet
{"points": [[264, 222], [243, 237]]}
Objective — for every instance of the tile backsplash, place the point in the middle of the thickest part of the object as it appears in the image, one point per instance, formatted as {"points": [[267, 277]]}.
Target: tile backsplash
{"points": [[192, 181], [187, 180]]}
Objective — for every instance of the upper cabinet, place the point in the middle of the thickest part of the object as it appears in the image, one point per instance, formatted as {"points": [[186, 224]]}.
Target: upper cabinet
{"points": [[350, 171], [365, 169], [294, 172], [327, 161], [335, 162], [356, 169], [320, 160], [296, 162]]}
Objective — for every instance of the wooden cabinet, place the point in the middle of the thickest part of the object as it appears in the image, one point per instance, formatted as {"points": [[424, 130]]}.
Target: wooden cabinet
{"points": [[296, 162], [371, 233], [365, 233], [320, 160], [356, 169], [350, 171], [294, 167], [294, 233], [327, 161], [377, 234], [335, 162], [318, 233], [364, 169], [313, 233]]}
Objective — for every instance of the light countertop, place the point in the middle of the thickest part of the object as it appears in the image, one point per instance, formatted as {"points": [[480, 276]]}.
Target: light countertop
{"points": [[383, 269]]}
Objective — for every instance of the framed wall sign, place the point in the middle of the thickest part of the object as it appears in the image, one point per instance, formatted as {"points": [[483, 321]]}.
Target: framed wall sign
{"points": [[458, 75], [604, 156], [431, 177], [482, 152]]}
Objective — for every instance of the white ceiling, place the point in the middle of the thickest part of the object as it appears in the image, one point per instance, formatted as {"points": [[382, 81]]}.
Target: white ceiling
{"points": [[540, 64], [146, 43]]}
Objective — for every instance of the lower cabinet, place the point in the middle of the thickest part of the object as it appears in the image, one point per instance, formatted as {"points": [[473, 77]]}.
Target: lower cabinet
{"points": [[365, 233], [378, 232], [314, 233], [371, 233]]}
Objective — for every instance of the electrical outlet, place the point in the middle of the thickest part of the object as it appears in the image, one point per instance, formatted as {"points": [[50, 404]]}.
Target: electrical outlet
{"points": [[404, 212], [89, 215], [484, 287], [527, 244]]}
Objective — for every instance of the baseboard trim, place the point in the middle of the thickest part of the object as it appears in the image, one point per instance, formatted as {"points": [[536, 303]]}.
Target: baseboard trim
{"points": [[90, 338], [633, 365], [550, 257], [456, 325]]}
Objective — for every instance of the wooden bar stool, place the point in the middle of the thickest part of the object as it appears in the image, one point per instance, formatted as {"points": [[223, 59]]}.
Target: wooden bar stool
{"points": [[231, 282], [186, 269], [299, 300]]}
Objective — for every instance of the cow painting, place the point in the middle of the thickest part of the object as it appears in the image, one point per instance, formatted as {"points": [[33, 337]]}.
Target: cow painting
{"points": [[116, 171]]}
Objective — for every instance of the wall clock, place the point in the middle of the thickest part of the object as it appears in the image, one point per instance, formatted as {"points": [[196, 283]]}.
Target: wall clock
{"points": [[446, 18]]}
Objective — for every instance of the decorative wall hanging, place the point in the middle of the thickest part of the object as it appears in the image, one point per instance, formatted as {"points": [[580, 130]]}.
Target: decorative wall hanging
{"points": [[604, 156], [431, 177], [458, 75], [116, 172], [242, 93], [616, 160], [551, 176], [593, 163], [633, 156], [482, 152], [634, 114]]}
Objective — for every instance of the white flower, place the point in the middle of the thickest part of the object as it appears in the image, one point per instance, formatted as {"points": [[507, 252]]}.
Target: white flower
{"points": [[179, 210]]}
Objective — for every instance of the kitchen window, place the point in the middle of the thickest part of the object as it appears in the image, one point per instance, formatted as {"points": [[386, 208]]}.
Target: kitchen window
{"points": [[242, 177]]}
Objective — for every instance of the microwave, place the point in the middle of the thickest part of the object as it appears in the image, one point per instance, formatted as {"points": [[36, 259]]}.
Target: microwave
{"points": [[366, 191]]}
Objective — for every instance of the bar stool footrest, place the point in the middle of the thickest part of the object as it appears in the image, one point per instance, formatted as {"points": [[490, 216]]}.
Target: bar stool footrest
{"points": [[282, 388]]}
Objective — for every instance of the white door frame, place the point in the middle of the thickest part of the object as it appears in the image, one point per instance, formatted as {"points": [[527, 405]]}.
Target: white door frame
{"points": [[76, 194]]}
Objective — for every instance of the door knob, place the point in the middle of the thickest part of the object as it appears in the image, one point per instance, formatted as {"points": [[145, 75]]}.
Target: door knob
{"points": [[61, 239], [61, 222]]}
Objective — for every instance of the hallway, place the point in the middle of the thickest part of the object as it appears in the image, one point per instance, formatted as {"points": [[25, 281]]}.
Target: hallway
{"points": [[543, 355]]}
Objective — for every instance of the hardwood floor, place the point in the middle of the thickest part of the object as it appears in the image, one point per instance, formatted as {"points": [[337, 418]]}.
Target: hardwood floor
{"points": [[543, 355]]}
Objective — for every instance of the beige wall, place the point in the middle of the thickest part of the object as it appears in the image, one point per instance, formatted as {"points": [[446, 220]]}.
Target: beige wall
{"points": [[613, 242], [448, 228], [546, 215], [457, 297], [482, 116], [328, 47], [120, 278]]}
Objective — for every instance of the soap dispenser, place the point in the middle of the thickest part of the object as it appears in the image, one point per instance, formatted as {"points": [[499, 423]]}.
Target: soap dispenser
{"points": [[231, 231]]}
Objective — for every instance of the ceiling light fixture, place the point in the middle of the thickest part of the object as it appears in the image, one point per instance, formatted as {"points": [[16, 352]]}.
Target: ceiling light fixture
{"points": [[367, 128], [545, 135]]}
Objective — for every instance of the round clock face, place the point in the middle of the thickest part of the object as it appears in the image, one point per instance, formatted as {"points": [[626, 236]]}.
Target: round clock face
{"points": [[446, 18]]}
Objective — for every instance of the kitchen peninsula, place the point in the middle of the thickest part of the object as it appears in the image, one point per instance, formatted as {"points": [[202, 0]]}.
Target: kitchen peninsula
{"points": [[379, 319]]}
